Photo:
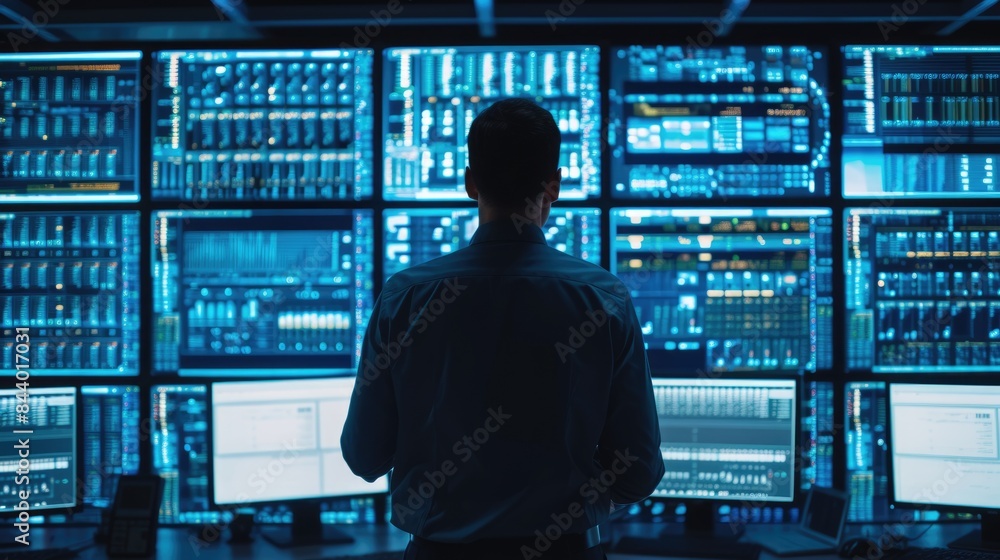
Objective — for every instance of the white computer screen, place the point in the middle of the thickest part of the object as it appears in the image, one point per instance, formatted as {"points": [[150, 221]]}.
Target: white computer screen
{"points": [[280, 440], [945, 444]]}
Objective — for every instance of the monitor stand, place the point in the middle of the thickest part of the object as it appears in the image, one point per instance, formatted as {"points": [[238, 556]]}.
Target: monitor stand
{"points": [[306, 530], [984, 539], [700, 537], [700, 525]]}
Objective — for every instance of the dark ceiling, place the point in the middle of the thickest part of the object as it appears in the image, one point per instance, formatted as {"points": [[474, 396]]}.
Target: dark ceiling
{"points": [[154, 21]]}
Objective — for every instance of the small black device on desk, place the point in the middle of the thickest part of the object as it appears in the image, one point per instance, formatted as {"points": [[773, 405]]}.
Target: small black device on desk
{"points": [[134, 516]]}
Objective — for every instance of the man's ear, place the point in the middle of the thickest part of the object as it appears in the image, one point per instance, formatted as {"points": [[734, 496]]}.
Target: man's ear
{"points": [[470, 185], [552, 186]]}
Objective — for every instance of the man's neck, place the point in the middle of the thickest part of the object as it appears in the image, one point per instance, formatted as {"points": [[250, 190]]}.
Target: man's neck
{"points": [[491, 214]]}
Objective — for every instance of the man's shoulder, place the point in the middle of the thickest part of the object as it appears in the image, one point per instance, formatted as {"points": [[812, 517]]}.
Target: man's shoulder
{"points": [[539, 261]]}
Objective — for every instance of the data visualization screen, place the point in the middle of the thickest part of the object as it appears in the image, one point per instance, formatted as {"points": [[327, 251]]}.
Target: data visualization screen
{"points": [[946, 436], [921, 290], [719, 122], [50, 477], [921, 121], [727, 439], [729, 290], [110, 440], [818, 435], [179, 436], [73, 279], [417, 235], [263, 125], [432, 95], [69, 127], [294, 424], [259, 292], [867, 444]]}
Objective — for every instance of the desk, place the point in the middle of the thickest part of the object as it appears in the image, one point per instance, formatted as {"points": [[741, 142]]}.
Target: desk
{"points": [[182, 543]]}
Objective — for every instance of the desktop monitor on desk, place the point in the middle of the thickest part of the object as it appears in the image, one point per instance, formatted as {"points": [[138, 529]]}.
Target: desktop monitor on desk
{"points": [[946, 453], [726, 440], [279, 442], [38, 432]]}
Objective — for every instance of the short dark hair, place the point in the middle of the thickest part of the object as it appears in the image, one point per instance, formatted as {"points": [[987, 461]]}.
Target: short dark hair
{"points": [[513, 151]]}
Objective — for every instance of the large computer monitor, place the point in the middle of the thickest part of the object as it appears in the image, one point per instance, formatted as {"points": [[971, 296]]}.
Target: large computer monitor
{"points": [[729, 289], [945, 446], [417, 235], [921, 121], [726, 440], [263, 125], [719, 122], [432, 95], [73, 279], [261, 292], [39, 438], [921, 290], [111, 431], [279, 441], [69, 127]]}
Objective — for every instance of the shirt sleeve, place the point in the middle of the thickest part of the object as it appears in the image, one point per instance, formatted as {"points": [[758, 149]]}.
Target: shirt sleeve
{"points": [[630, 443], [368, 441]]}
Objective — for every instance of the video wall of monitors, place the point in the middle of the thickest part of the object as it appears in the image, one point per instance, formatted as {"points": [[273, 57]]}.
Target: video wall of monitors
{"points": [[823, 211]]}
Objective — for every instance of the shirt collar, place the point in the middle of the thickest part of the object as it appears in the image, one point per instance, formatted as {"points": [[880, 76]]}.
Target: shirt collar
{"points": [[508, 230]]}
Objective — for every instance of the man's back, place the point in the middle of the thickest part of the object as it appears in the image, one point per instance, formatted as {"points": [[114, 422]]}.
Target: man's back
{"points": [[521, 391]]}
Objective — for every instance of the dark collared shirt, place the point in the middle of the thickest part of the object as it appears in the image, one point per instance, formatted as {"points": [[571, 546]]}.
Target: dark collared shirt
{"points": [[506, 385]]}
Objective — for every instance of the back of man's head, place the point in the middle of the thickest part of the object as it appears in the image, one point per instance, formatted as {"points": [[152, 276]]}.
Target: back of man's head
{"points": [[513, 152]]}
